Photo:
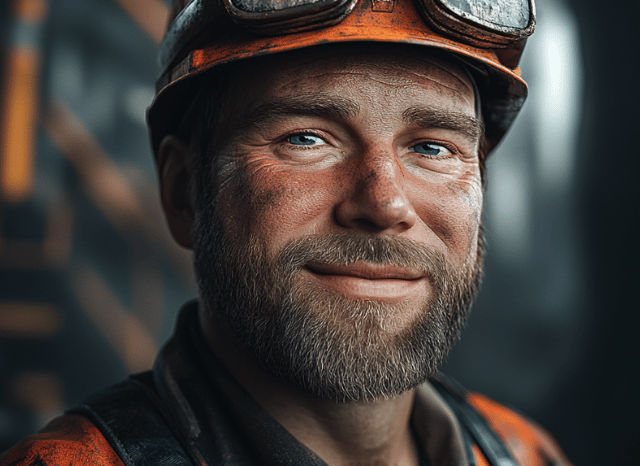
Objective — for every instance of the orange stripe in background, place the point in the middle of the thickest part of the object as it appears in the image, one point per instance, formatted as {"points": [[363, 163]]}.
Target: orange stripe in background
{"points": [[29, 320], [30, 11], [19, 113], [19, 117]]}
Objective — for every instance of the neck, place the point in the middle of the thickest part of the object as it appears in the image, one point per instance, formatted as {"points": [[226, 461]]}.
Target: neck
{"points": [[341, 433], [351, 433]]}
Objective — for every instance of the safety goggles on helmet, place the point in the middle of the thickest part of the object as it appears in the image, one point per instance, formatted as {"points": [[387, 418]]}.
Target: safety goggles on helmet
{"points": [[483, 23]]}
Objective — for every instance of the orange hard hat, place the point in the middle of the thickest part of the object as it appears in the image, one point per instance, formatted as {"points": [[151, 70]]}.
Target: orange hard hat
{"points": [[487, 35]]}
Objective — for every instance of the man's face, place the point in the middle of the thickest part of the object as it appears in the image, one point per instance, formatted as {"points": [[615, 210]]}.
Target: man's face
{"points": [[337, 232]]}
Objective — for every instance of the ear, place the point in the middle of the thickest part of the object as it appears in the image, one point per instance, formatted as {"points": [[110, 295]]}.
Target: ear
{"points": [[177, 188]]}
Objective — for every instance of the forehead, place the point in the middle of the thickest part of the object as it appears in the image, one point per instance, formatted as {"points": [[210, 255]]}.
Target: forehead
{"points": [[394, 69]]}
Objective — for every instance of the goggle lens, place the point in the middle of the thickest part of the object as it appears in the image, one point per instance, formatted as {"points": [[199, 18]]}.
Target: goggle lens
{"points": [[261, 6], [484, 23], [501, 13], [275, 17]]}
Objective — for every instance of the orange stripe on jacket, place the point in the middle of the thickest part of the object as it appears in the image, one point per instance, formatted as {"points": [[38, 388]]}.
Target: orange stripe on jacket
{"points": [[529, 443], [67, 440]]}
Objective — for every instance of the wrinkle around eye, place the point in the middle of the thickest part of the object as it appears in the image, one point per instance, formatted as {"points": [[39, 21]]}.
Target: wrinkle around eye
{"points": [[272, 157], [448, 166], [318, 156]]}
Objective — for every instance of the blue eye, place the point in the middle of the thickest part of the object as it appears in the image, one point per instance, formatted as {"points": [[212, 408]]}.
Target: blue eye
{"points": [[304, 139], [430, 149]]}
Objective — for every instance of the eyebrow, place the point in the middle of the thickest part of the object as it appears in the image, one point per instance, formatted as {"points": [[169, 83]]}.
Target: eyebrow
{"points": [[318, 105], [338, 108], [427, 117]]}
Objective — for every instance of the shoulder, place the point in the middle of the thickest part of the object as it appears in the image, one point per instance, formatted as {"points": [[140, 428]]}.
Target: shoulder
{"points": [[67, 440], [529, 443]]}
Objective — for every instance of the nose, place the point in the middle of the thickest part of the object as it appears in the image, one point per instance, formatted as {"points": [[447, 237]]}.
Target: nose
{"points": [[377, 201]]}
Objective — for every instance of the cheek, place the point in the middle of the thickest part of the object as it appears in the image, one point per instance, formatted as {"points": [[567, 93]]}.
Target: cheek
{"points": [[271, 204], [452, 212]]}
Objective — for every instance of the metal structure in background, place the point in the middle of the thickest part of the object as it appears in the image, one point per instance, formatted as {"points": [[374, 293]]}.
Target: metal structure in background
{"points": [[90, 281], [89, 277]]}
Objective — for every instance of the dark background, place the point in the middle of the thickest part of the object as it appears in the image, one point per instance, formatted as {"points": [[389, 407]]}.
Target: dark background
{"points": [[90, 282]]}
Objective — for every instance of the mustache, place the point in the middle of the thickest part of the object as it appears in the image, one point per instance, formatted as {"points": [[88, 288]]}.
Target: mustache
{"points": [[347, 248]]}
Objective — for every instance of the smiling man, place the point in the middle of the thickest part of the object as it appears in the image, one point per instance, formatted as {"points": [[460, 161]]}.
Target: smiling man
{"points": [[325, 201], [324, 160]]}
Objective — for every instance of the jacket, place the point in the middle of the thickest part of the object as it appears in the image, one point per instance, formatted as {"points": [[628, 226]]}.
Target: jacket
{"points": [[190, 410]]}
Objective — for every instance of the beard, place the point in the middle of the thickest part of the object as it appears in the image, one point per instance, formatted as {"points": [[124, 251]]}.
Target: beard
{"points": [[325, 343]]}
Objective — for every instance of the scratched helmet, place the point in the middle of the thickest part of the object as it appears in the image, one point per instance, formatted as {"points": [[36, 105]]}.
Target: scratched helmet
{"points": [[487, 35]]}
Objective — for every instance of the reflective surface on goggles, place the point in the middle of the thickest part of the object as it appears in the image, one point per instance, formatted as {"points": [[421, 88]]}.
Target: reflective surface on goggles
{"points": [[502, 13], [260, 6]]}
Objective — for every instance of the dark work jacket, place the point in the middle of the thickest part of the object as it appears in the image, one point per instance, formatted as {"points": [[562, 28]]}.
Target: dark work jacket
{"points": [[191, 409]]}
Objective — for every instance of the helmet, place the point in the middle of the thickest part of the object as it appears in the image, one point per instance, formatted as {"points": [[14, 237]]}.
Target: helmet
{"points": [[487, 35]]}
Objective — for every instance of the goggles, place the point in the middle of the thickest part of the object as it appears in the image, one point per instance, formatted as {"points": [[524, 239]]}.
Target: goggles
{"points": [[481, 23]]}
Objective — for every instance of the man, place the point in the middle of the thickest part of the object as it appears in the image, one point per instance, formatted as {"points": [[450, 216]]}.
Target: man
{"points": [[324, 161]]}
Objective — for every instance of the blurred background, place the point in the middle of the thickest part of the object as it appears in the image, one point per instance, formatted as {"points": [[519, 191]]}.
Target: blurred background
{"points": [[90, 281]]}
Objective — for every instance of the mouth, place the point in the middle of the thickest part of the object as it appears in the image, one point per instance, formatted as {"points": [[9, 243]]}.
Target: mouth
{"points": [[367, 271], [363, 280]]}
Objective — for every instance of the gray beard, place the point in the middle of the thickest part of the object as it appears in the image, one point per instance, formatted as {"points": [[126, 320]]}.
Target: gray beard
{"points": [[327, 344]]}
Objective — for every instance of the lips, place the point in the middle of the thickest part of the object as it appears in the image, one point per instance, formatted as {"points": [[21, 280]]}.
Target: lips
{"points": [[367, 271]]}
